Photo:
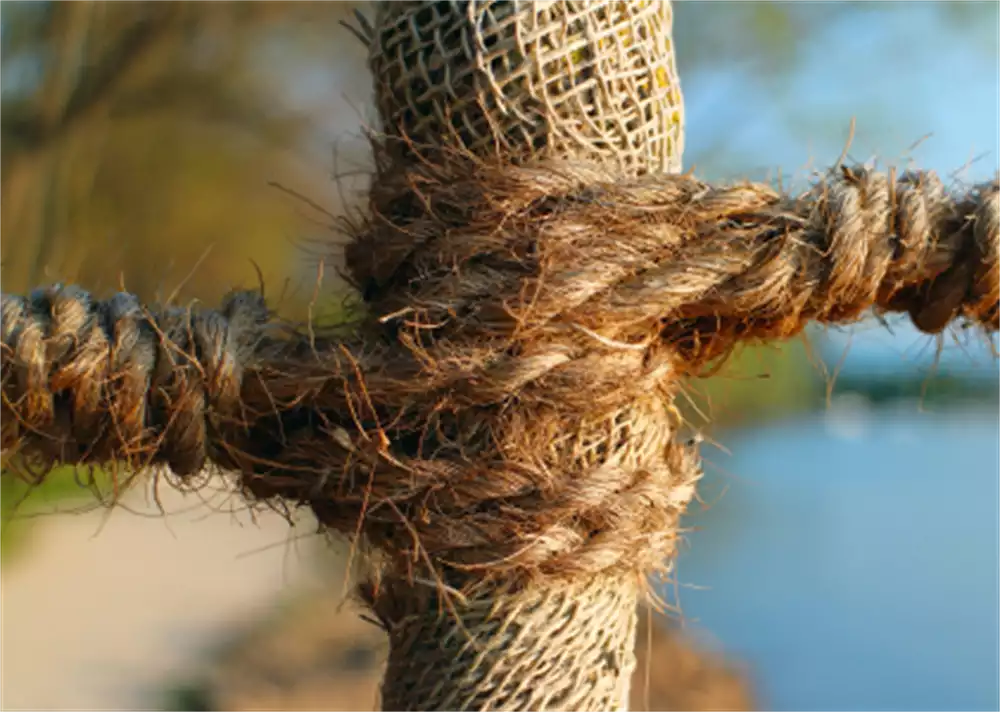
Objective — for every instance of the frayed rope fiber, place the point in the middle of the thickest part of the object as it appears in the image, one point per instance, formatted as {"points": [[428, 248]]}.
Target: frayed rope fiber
{"points": [[504, 411], [498, 432]]}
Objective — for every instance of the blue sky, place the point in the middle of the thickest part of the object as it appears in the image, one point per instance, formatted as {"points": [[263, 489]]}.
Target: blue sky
{"points": [[839, 526], [901, 71]]}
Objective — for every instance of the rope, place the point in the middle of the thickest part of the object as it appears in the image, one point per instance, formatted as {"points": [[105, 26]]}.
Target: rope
{"points": [[500, 427], [502, 412], [99, 381]]}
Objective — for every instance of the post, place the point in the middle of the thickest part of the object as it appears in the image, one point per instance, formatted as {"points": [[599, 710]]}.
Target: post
{"points": [[547, 647], [517, 83], [499, 432]]}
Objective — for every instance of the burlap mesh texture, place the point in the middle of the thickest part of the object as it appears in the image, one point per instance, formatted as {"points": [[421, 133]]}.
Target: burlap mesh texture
{"points": [[547, 647], [517, 314], [563, 79], [579, 80]]}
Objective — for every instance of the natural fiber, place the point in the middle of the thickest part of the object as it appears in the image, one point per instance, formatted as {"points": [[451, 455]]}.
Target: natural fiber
{"points": [[500, 426], [548, 647], [505, 409], [563, 79]]}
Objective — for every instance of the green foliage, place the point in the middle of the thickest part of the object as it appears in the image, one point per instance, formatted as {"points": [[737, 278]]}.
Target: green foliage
{"points": [[928, 389], [188, 697], [770, 35]]}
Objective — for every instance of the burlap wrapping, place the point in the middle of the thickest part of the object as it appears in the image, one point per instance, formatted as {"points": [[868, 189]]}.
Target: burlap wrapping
{"points": [[548, 647], [580, 79], [500, 424]]}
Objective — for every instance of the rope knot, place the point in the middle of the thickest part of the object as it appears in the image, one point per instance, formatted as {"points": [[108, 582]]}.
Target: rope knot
{"points": [[504, 411]]}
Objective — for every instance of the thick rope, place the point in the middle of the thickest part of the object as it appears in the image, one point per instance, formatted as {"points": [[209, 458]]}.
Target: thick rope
{"points": [[501, 413], [616, 255], [500, 426]]}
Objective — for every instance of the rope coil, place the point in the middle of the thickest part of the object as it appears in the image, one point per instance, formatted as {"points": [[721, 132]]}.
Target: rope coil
{"points": [[105, 381]]}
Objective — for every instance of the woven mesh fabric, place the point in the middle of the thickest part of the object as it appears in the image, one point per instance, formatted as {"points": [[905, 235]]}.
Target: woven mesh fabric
{"points": [[550, 647], [563, 78]]}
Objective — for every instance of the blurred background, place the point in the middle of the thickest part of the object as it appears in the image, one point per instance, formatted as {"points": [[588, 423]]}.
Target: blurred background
{"points": [[845, 551]]}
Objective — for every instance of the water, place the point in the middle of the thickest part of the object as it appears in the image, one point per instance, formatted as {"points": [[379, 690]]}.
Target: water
{"points": [[853, 560], [869, 351]]}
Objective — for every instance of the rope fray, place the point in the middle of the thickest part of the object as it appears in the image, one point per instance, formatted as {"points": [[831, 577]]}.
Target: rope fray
{"points": [[505, 409]]}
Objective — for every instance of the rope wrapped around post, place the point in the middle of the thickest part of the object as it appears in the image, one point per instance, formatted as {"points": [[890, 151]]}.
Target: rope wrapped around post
{"points": [[501, 421], [499, 427]]}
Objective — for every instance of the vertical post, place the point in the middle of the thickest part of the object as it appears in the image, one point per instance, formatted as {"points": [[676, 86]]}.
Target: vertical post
{"points": [[551, 646], [519, 82]]}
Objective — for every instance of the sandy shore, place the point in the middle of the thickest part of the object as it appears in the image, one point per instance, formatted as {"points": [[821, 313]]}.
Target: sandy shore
{"points": [[104, 610]]}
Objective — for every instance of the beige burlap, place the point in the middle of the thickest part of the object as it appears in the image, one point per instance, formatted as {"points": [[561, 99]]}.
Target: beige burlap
{"points": [[547, 647], [593, 80], [499, 424], [580, 79]]}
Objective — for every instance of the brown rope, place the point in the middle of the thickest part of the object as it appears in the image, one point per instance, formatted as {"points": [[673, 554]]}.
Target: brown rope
{"points": [[500, 427], [502, 412]]}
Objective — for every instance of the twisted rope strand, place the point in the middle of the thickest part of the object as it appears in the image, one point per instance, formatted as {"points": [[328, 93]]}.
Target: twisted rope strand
{"points": [[673, 249], [505, 411]]}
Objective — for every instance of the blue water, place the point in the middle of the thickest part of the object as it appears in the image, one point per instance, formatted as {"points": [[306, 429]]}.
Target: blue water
{"points": [[853, 561], [869, 350]]}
